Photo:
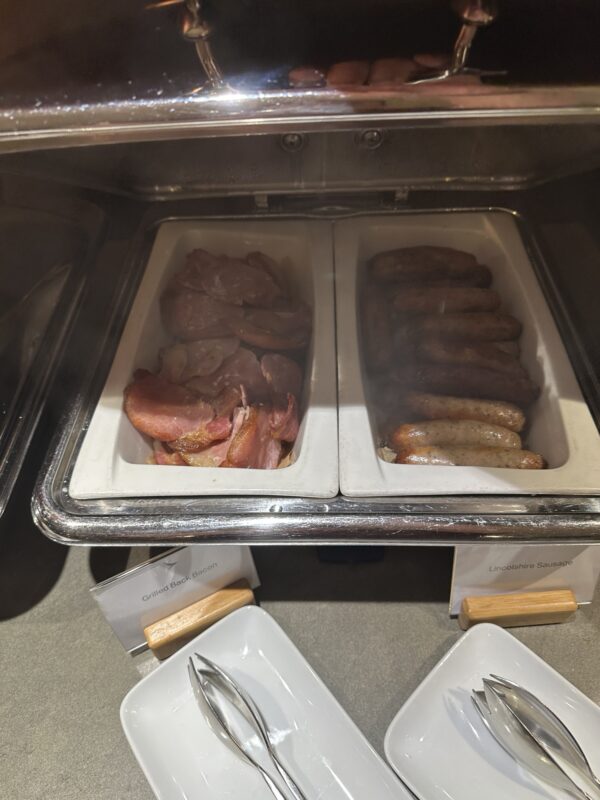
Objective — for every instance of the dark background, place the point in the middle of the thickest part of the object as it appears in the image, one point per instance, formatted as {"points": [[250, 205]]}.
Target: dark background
{"points": [[71, 51]]}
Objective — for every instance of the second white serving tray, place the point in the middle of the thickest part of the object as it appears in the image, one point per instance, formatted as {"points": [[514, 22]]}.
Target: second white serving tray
{"points": [[440, 747], [112, 459], [561, 429]]}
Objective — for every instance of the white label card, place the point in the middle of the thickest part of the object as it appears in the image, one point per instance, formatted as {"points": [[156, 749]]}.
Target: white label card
{"points": [[504, 569], [166, 584]]}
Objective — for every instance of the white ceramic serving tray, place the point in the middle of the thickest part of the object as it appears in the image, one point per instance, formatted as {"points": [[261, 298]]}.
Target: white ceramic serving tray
{"points": [[112, 459], [440, 747], [561, 428], [318, 743]]}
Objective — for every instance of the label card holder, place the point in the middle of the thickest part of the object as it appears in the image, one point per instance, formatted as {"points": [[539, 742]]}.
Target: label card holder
{"points": [[133, 600], [507, 569]]}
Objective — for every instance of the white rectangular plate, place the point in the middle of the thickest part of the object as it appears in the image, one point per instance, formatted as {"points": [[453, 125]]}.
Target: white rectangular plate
{"points": [[442, 750], [113, 456], [561, 428], [183, 759]]}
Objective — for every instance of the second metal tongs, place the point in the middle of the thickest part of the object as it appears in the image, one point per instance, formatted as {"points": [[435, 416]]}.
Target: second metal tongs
{"points": [[474, 14], [208, 679], [535, 737]]}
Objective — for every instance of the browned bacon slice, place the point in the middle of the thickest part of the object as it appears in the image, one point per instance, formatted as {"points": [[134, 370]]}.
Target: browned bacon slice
{"points": [[284, 420], [190, 315], [254, 446], [216, 454], [289, 317], [230, 280], [168, 412], [260, 260], [218, 428], [227, 401], [181, 362], [190, 277], [165, 457], [240, 369], [283, 375], [282, 329]]}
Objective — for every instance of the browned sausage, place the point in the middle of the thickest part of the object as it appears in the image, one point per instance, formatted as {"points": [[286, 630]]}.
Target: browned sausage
{"points": [[512, 348], [428, 300], [377, 329], [477, 280], [418, 264], [465, 432], [472, 457], [483, 326], [470, 381], [432, 60], [391, 70], [348, 73], [437, 406], [305, 77], [476, 354]]}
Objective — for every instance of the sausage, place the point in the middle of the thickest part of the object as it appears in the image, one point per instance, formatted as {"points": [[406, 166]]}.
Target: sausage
{"points": [[432, 60], [436, 406], [348, 73], [483, 326], [377, 329], [391, 70], [305, 77], [424, 263], [466, 432], [512, 348], [472, 457], [470, 381], [428, 300], [476, 354], [477, 280]]}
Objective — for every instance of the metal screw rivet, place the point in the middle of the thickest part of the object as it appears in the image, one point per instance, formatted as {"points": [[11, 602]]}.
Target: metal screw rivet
{"points": [[292, 142], [371, 139]]}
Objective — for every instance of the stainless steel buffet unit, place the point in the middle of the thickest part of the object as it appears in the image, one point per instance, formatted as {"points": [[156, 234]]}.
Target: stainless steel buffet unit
{"points": [[163, 146]]}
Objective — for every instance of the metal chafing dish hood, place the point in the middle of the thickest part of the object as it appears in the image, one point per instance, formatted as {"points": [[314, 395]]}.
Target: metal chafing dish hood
{"points": [[120, 118], [113, 71]]}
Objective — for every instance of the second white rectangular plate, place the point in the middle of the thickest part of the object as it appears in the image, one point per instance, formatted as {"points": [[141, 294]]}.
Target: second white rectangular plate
{"points": [[441, 748], [322, 748]]}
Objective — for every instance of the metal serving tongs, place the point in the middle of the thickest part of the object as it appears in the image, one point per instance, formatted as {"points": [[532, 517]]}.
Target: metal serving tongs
{"points": [[474, 14], [535, 737], [209, 679], [195, 29]]}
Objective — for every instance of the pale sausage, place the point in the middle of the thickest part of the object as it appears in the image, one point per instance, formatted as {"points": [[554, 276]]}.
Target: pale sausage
{"points": [[472, 457], [450, 432], [437, 406]]}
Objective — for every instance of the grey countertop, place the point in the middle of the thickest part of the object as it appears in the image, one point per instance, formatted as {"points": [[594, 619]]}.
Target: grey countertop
{"points": [[371, 630]]}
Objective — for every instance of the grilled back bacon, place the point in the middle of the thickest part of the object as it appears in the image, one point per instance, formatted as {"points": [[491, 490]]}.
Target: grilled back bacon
{"points": [[224, 396]]}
